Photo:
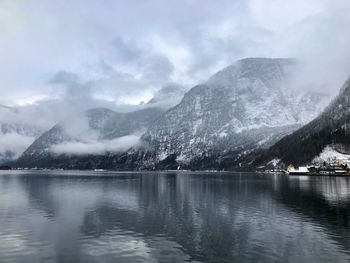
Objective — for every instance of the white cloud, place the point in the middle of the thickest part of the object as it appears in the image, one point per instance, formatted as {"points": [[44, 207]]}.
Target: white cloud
{"points": [[14, 143], [97, 147], [122, 52]]}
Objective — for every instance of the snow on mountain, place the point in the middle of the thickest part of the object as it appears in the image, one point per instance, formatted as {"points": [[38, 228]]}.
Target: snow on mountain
{"points": [[329, 155], [247, 105], [330, 128], [96, 131]]}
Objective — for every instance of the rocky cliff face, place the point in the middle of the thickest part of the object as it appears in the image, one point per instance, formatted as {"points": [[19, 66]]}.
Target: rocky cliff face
{"points": [[329, 128], [245, 106]]}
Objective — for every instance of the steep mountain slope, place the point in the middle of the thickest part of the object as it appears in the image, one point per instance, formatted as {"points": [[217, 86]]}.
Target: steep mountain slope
{"points": [[247, 105], [95, 132], [329, 128]]}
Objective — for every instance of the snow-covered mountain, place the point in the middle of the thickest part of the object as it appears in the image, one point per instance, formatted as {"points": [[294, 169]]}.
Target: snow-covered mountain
{"points": [[169, 94], [326, 134], [247, 105], [15, 136], [94, 132]]}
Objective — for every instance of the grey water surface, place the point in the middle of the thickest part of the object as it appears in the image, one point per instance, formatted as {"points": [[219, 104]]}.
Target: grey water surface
{"points": [[79, 216]]}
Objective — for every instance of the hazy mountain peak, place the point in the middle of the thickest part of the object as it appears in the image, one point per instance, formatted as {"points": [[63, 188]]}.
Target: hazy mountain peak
{"points": [[257, 69], [168, 96]]}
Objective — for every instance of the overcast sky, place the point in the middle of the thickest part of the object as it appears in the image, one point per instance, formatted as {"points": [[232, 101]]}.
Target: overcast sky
{"points": [[123, 51]]}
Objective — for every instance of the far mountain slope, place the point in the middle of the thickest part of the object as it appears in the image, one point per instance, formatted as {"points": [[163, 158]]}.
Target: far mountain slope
{"points": [[95, 132]]}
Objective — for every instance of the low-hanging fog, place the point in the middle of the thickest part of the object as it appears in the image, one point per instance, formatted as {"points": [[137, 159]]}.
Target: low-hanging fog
{"points": [[62, 57], [97, 147]]}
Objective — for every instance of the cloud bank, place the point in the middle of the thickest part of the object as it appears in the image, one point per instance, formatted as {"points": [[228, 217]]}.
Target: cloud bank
{"points": [[63, 56], [13, 144], [98, 147]]}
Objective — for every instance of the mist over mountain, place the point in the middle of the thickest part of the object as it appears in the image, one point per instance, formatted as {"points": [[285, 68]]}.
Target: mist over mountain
{"points": [[15, 136], [244, 107], [93, 132], [168, 96]]}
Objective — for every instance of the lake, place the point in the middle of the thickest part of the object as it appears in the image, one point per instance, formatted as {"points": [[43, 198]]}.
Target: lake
{"points": [[76, 216]]}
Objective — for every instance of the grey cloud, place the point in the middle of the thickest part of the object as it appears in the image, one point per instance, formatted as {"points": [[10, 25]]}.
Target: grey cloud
{"points": [[64, 77], [14, 144], [126, 52], [117, 53], [74, 87], [157, 69]]}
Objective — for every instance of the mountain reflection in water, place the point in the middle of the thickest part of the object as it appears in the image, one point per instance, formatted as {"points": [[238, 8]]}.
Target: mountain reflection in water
{"points": [[173, 217]]}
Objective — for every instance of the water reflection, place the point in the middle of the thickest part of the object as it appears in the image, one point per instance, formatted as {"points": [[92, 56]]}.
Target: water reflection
{"points": [[333, 189], [159, 217]]}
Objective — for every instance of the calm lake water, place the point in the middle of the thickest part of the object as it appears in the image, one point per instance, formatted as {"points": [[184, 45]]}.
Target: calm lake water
{"points": [[173, 217]]}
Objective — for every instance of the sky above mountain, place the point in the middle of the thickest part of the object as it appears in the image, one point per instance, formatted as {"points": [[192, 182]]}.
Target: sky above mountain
{"points": [[116, 53]]}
